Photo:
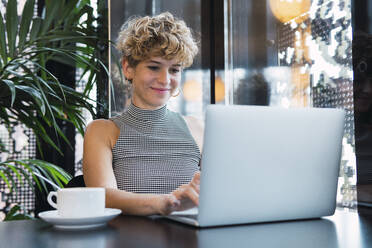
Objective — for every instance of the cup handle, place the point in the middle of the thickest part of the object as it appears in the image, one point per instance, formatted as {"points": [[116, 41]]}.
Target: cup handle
{"points": [[50, 200]]}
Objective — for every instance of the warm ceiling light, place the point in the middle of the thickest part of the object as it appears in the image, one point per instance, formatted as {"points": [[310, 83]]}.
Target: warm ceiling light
{"points": [[286, 10], [192, 91], [219, 90]]}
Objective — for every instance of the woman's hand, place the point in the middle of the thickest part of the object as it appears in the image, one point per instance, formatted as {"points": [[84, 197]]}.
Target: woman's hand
{"points": [[185, 197]]}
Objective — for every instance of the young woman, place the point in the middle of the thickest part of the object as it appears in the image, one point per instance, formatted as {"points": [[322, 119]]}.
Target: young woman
{"points": [[148, 157]]}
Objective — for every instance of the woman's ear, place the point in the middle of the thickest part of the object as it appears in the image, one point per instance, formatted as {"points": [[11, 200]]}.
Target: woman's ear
{"points": [[127, 69]]}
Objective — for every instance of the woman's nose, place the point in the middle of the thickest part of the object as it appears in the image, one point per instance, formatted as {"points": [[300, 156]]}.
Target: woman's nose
{"points": [[164, 77]]}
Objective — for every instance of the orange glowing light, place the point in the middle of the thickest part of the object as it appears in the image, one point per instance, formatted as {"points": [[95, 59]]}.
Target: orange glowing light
{"points": [[287, 10]]}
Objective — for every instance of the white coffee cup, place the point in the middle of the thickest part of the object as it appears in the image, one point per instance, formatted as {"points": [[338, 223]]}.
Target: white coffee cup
{"points": [[78, 202]]}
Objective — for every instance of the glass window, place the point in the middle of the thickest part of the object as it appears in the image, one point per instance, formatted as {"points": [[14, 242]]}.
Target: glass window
{"points": [[293, 54]]}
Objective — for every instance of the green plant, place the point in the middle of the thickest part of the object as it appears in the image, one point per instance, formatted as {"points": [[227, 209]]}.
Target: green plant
{"points": [[30, 93], [14, 214]]}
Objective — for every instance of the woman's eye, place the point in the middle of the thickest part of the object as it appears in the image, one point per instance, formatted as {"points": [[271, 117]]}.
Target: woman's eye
{"points": [[153, 68], [174, 70]]}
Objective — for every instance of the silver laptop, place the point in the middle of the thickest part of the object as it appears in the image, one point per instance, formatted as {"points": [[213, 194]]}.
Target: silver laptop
{"points": [[263, 164]]}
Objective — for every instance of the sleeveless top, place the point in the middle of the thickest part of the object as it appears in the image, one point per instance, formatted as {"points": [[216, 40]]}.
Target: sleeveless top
{"points": [[155, 151]]}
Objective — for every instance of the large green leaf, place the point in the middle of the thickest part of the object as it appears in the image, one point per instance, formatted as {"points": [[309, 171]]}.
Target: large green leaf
{"points": [[11, 25], [58, 174], [67, 11], [78, 11], [24, 28], [3, 50], [39, 79], [26, 172], [52, 8], [14, 214], [12, 90], [4, 116], [12, 179], [56, 37], [38, 129], [15, 171], [35, 95], [32, 168], [45, 106], [40, 173], [35, 29], [74, 56], [4, 177]]}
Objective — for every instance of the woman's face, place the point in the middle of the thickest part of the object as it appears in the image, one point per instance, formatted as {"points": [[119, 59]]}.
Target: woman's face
{"points": [[154, 81]]}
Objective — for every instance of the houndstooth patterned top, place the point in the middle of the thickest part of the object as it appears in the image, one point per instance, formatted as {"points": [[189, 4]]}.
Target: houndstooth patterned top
{"points": [[155, 152]]}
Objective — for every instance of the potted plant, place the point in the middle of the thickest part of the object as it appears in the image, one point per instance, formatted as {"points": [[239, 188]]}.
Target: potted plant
{"points": [[32, 95]]}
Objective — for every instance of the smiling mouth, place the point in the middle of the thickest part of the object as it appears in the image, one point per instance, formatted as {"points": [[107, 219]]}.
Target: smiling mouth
{"points": [[160, 89]]}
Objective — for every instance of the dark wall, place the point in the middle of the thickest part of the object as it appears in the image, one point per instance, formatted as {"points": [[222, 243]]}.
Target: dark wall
{"points": [[362, 66]]}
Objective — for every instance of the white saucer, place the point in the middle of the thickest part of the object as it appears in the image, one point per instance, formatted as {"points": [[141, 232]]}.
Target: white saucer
{"points": [[79, 223]]}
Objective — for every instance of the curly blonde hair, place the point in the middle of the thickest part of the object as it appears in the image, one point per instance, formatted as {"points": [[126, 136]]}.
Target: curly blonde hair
{"points": [[161, 36]]}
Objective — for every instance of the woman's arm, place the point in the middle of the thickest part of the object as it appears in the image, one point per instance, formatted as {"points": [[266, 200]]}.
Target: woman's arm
{"points": [[100, 137]]}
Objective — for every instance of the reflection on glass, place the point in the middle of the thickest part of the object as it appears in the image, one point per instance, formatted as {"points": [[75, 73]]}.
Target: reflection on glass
{"points": [[253, 90], [294, 54], [282, 234], [99, 237]]}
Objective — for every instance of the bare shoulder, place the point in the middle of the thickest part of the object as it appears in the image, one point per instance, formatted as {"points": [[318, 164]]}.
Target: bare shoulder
{"points": [[101, 124], [196, 127], [99, 139], [102, 129]]}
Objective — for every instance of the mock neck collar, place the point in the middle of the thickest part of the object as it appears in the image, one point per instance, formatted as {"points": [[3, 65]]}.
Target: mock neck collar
{"points": [[145, 114]]}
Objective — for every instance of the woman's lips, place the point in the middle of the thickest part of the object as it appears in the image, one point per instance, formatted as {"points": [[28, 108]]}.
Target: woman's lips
{"points": [[160, 90]]}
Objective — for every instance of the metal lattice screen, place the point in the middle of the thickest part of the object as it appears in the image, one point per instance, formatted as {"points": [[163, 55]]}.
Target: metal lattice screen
{"points": [[20, 143], [317, 47]]}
